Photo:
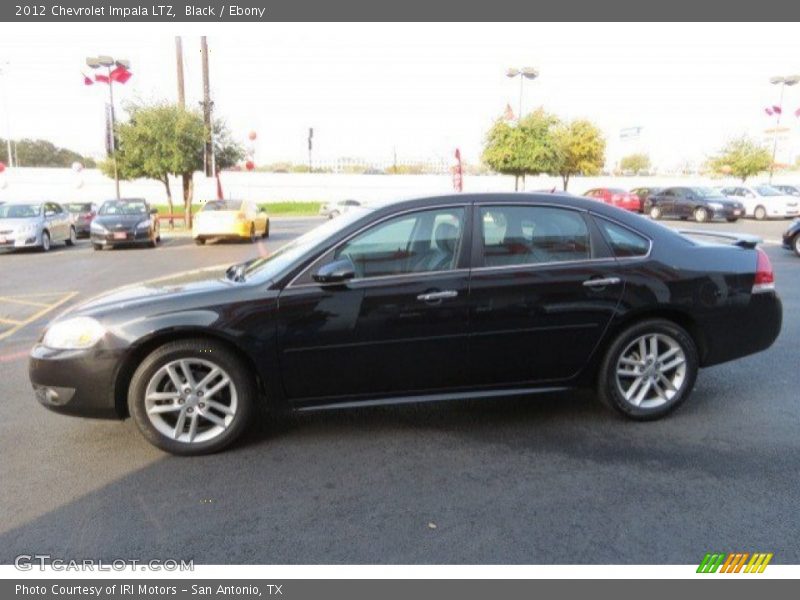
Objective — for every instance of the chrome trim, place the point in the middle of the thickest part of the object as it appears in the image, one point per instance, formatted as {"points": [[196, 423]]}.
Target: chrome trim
{"points": [[433, 296], [601, 282], [381, 278]]}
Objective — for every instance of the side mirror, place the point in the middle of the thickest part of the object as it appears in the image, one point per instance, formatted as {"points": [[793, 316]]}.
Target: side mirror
{"points": [[337, 271], [49, 213]]}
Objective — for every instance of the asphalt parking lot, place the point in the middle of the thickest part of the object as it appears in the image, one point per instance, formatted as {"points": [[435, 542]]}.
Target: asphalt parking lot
{"points": [[547, 479]]}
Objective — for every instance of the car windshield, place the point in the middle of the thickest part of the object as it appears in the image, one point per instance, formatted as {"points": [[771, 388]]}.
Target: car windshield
{"points": [[213, 205], [19, 211], [282, 258], [767, 190], [705, 192], [79, 208], [124, 207]]}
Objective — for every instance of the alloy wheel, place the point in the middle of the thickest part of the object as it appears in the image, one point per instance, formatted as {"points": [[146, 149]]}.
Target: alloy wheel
{"points": [[760, 213], [46, 241], [651, 370], [701, 215], [191, 400], [655, 213], [797, 244]]}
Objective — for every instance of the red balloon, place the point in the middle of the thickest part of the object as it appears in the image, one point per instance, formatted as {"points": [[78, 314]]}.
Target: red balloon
{"points": [[249, 165], [2, 167], [252, 136]]}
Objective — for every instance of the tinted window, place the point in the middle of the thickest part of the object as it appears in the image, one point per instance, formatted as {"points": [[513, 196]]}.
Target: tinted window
{"points": [[19, 211], [765, 190], [213, 205], [123, 207], [519, 235], [79, 207], [623, 241], [412, 243]]}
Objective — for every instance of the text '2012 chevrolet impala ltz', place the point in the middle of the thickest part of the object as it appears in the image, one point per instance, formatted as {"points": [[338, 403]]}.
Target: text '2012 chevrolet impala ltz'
{"points": [[463, 296]]}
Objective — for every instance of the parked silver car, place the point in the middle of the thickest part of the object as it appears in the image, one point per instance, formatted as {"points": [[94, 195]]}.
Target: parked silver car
{"points": [[35, 225]]}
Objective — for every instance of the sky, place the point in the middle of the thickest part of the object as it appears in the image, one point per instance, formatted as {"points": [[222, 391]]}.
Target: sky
{"points": [[420, 90]]}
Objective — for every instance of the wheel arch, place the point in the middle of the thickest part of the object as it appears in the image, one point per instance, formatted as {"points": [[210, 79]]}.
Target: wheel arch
{"points": [[144, 347]]}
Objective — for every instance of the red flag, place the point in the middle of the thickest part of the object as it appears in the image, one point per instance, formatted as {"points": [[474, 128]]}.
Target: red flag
{"points": [[509, 114], [458, 173], [87, 80], [768, 110], [776, 110], [120, 74], [101, 78]]}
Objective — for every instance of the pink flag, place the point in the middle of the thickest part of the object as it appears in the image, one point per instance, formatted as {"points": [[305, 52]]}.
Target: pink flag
{"points": [[768, 110], [776, 110], [508, 115], [120, 74], [797, 113]]}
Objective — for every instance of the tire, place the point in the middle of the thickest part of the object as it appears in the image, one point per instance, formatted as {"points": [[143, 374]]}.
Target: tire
{"points": [[266, 230], [97, 247], [200, 241], [655, 213], [654, 404], [701, 214], [73, 237], [201, 355], [46, 241], [732, 219], [796, 244], [253, 233], [760, 213]]}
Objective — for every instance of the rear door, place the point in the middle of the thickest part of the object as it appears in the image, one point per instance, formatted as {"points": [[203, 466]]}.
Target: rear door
{"points": [[399, 327], [542, 293]]}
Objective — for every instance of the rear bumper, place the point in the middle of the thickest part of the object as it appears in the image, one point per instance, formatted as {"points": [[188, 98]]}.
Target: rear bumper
{"points": [[75, 382], [239, 230], [755, 328]]}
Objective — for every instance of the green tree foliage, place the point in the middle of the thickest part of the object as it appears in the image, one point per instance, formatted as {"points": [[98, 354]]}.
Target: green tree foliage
{"points": [[41, 153], [163, 139], [635, 162], [741, 157], [580, 149], [524, 148]]}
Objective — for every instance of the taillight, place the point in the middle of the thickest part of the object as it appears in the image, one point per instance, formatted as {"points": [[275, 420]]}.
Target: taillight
{"points": [[765, 276]]}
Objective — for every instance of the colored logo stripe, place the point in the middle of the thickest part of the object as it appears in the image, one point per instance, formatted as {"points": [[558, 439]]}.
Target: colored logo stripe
{"points": [[733, 562]]}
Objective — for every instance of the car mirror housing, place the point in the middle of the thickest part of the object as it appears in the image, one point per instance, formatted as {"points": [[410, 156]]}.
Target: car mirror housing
{"points": [[337, 271]]}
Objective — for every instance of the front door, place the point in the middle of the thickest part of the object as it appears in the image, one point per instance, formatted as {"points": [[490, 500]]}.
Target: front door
{"points": [[399, 327], [542, 294]]}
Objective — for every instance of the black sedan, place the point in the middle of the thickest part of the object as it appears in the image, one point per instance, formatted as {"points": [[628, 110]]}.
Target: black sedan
{"points": [[464, 296], [791, 237], [128, 221], [699, 203]]}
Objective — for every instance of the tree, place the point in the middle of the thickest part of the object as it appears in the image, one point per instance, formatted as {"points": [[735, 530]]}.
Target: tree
{"points": [[42, 153], [580, 149], [741, 157], [635, 162], [520, 149], [163, 139]]}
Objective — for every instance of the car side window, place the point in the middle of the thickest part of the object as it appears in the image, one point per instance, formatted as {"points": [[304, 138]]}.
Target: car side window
{"points": [[669, 193], [418, 242], [521, 235], [624, 242]]}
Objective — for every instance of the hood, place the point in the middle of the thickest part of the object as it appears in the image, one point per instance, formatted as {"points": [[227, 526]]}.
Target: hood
{"points": [[201, 281], [15, 224], [112, 221]]}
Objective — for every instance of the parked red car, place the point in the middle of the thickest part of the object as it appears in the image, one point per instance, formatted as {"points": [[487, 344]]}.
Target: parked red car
{"points": [[616, 197]]}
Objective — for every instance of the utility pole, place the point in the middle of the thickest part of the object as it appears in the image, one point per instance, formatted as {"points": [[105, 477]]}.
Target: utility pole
{"points": [[179, 61], [3, 72], [310, 148], [207, 106]]}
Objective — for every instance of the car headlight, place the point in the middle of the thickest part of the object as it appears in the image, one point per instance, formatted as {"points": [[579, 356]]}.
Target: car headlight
{"points": [[27, 228], [97, 227], [143, 224], [715, 205], [74, 334]]}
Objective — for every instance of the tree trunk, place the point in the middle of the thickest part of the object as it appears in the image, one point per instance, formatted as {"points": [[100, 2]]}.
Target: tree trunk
{"points": [[169, 201], [188, 193], [523, 182], [565, 179], [516, 183]]}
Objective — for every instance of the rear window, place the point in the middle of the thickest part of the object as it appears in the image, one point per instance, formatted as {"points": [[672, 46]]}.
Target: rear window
{"points": [[79, 208], [213, 205], [623, 241]]}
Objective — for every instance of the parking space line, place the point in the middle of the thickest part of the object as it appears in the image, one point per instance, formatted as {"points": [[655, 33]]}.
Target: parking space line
{"points": [[38, 314], [10, 321], [18, 301]]}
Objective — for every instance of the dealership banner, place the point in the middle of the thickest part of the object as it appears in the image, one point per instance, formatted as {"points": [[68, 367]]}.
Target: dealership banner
{"points": [[369, 10]]}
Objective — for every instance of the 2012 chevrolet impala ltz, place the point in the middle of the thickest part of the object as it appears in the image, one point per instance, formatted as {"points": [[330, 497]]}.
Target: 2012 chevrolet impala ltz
{"points": [[462, 296]]}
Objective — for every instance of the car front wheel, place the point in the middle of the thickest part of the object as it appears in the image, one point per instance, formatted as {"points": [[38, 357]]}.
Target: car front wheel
{"points": [[760, 213], [73, 237], [649, 370], [700, 214], [655, 213], [45, 241], [796, 244], [191, 397]]}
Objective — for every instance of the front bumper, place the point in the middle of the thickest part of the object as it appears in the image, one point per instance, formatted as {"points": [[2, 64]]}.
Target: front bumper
{"points": [[76, 382], [728, 212], [24, 240], [114, 238]]}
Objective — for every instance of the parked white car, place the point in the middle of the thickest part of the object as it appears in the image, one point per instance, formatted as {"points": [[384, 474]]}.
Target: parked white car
{"points": [[764, 201], [334, 209]]}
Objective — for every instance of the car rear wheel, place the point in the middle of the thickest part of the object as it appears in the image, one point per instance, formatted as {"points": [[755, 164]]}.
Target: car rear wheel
{"points": [[45, 241], [649, 370], [191, 397], [253, 233], [73, 237], [796, 244], [655, 213], [199, 241], [700, 214], [266, 230], [760, 213], [97, 246]]}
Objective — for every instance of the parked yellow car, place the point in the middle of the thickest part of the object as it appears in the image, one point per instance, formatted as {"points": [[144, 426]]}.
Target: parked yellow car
{"points": [[230, 219]]}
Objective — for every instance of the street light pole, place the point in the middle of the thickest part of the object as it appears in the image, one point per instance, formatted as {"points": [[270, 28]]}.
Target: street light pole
{"points": [[523, 74], [783, 82], [3, 72]]}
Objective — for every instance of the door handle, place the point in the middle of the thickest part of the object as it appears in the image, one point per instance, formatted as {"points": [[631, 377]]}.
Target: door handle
{"points": [[434, 296], [591, 283]]}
